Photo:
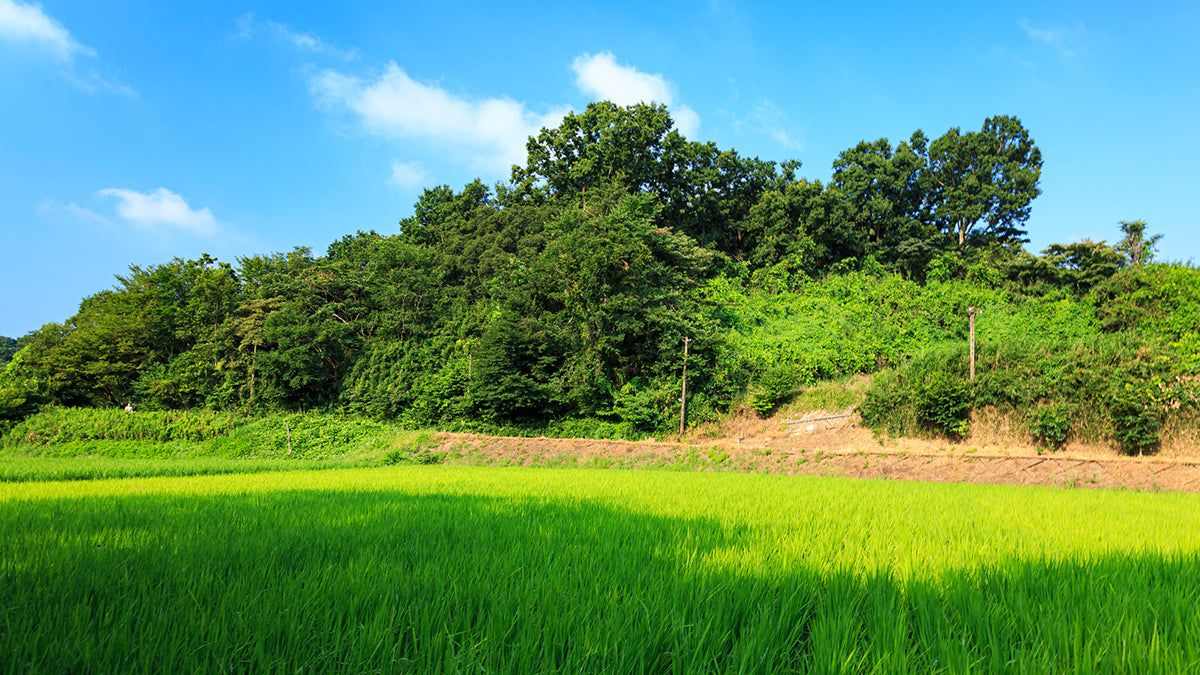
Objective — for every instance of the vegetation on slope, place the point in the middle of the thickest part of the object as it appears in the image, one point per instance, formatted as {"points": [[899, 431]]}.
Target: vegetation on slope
{"points": [[563, 299]]}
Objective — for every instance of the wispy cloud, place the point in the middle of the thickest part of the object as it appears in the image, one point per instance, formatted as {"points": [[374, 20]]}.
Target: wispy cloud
{"points": [[769, 120], [77, 212], [302, 41], [408, 175], [160, 210], [600, 75], [28, 26], [491, 132], [1061, 39]]}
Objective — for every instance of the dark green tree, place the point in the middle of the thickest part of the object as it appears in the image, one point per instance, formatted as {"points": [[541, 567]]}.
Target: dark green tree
{"points": [[8, 349], [885, 204], [704, 192], [978, 186]]}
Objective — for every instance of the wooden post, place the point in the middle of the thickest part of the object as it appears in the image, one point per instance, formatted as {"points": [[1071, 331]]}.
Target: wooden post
{"points": [[288, 426], [971, 312], [683, 394]]}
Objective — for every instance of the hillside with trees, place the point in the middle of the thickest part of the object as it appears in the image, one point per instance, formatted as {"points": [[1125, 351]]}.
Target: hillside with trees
{"points": [[560, 301]]}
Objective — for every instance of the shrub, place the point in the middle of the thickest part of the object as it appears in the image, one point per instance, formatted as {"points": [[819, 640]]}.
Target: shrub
{"points": [[1135, 426], [775, 387], [642, 406], [1050, 424], [887, 404], [943, 405]]}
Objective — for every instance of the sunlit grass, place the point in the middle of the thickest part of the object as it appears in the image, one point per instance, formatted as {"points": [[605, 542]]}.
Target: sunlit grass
{"points": [[455, 569]]}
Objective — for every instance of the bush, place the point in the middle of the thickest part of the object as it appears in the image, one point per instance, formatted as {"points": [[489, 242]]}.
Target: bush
{"points": [[643, 406], [775, 387], [887, 404], [1135, 426], [943, 406], [1050, 424]]}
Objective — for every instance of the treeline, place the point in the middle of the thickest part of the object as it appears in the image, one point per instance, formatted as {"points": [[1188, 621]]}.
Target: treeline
{"points": [[564, 296]]}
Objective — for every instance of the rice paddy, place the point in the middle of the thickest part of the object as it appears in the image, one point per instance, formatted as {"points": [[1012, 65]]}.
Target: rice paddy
{"points": [[443, 569]]}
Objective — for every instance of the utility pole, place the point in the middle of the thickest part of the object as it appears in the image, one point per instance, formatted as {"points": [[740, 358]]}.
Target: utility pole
{"points": [[971, 312], [683, 394]]}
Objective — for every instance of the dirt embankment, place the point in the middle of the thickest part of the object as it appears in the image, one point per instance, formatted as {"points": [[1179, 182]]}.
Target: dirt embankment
{"points": [[838, 447]]}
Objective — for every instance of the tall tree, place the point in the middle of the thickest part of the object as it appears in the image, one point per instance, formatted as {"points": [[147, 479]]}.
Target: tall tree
{"points": [[705, 192], [884, 202], [979, 185]]}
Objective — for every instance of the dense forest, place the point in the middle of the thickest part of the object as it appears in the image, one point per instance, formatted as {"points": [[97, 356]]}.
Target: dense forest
{"points": [[561, 300]]}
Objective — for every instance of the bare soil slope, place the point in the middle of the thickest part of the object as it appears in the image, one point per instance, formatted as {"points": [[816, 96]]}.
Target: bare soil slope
{"points": [[839, 447]]}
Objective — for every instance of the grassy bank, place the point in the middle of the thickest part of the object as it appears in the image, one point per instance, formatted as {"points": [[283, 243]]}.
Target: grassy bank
{"points": [[89, 443]]}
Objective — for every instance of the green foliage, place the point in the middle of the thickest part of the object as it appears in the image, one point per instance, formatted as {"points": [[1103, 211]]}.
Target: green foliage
{"points": [[304, 436], [107, 460], [943, 406], [163, 434], [1050, 425], [1137, 248], [1159, 299], [8, 349], [645, 406], [888, 404], [561, 300], [835, 395], [1135, 425], [55, 425], [979, 185], [775, 387]]}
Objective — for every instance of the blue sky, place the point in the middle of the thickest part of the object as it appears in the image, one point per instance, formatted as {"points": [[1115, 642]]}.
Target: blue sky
{"points": [[133, 132]]}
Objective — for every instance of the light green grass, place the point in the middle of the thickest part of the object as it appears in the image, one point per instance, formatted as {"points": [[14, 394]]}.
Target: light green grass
{"points": [[27, 469], [467, 569]]}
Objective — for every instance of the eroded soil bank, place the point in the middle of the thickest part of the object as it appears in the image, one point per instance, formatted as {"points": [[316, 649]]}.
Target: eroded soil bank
{"points": [[840, 448]]}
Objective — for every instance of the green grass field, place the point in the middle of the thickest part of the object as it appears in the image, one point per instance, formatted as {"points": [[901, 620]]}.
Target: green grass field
{"points": [[435, 569]]}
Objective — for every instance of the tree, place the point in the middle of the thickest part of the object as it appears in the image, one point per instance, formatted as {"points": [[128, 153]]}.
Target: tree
{"points": [[248, 326], [635, 146], [1134, 246], [884, 199], [704, 192], [979, 185], [1082, 265], [8, 348]]}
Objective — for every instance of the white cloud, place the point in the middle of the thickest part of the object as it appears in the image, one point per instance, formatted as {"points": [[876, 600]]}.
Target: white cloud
{"points": [[600, 76], [161, 209], [492, 132], [1060, 39], [301, 41], [245, 26], [86, 214], [28, 24], [408, 175], [50, 207], [686, 120]]}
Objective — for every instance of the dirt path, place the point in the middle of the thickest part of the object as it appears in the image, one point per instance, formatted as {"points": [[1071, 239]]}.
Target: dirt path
{"points": [[827, 449]]}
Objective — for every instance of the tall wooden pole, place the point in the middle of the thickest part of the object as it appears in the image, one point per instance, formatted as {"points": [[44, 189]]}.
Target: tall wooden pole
{"points": [[971, 312], [683, 394]]}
